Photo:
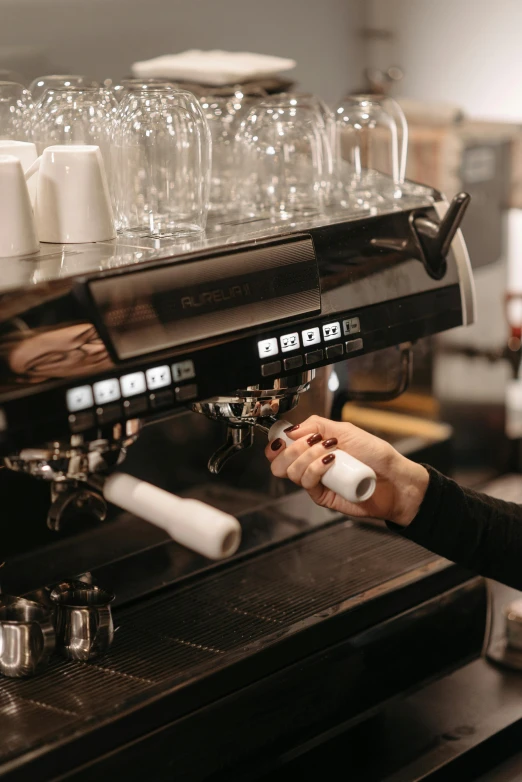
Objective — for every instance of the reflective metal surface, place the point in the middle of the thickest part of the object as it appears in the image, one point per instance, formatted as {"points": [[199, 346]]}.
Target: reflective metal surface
{"points": [[59, 261], [27, 636], [83, 619], [251, 407]]}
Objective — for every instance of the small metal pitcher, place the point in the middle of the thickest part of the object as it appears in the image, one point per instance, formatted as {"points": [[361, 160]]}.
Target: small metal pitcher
{"points": [[27, 637], [83, 619]]}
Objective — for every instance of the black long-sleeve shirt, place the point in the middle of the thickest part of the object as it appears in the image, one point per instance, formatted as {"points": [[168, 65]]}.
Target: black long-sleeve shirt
{"points": [[472, 529]]}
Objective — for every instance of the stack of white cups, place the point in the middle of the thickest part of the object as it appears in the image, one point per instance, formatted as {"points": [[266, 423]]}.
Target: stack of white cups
{"points": [[60, 197]]}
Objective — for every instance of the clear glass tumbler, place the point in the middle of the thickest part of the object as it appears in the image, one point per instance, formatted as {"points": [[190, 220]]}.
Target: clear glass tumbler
{"points": [[224, 111], [280, 159], [370, 150], [55, 81], [325, 120], [162, 148], [15, 111], [76, 115]]}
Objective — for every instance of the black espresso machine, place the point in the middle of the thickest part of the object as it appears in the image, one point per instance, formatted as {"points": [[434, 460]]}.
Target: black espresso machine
{"points": [[148, 358]]}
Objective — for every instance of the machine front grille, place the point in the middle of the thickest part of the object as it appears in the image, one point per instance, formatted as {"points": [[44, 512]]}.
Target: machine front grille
{"points": [[207, 624]]}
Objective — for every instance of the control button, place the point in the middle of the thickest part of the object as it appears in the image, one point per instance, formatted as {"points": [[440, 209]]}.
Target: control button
{"points": [[334, 351], [268, 347], [293, 363], [351, 326], [331, 331], [311, 336], [185, 393], [183, 371], [106, 391], [290, 342], [354, 345], [79, 398], [81, 422], [135, 406], [133, 384], [109, 413], [158, 377], [271, 369], [162, 399], [314, 357]]}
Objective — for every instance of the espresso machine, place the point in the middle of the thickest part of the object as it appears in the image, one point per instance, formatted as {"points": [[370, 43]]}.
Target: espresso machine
{"points": [[248, 621]]}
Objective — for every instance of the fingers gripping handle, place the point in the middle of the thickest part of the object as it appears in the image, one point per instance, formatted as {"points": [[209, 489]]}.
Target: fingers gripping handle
{"points": [[194, 524], [348, 477]]}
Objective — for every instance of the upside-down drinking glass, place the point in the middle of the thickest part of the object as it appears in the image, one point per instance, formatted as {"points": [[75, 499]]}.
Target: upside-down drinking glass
{"points": [[162, 153], [55, 81], [280, 157], [76, 115], [224, 111], [370, 148], [326, 120], [15, 111]]}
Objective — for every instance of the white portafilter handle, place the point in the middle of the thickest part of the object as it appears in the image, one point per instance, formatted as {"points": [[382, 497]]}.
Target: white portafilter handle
{"points": [[192, 523], [348, 477]]}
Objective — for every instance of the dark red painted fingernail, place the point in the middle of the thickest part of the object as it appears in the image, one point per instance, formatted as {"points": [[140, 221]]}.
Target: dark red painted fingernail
{"points": [[276, 445], [330, 442], [314, 439], [328, 459], [291, 428]]}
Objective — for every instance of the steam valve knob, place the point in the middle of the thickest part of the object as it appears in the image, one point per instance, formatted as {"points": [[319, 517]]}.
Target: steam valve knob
{"points": [[434, 239]]}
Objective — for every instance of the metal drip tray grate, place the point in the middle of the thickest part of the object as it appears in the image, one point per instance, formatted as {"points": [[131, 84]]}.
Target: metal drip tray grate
{"points": [[208, 624]]}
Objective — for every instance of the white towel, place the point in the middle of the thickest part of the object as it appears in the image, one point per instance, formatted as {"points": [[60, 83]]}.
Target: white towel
{"points": [[213, 67]]}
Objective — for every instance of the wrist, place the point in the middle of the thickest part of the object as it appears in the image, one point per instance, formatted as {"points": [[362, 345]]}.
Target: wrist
{"points": [[411, 483]]}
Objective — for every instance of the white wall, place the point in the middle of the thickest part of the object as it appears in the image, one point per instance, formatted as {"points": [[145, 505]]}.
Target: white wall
{"points": [[462, 51], [103, 37]]}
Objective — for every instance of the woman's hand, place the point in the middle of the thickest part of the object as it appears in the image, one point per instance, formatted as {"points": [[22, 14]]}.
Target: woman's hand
{"points": [[401, 483]]}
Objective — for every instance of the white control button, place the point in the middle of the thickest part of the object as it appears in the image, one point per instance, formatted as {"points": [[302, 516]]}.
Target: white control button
{"points": [[331, 331], [352, 326], [290, 342], [133, 384], [79, 398], [183, 371], [106, 391], [158, 377], [311, 336], [268, 347]]}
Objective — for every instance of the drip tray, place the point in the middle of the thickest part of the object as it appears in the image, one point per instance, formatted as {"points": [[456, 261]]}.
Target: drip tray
{"points": [[166, 644]]}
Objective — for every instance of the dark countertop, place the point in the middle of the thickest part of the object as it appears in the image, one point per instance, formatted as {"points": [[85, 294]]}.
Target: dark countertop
{"points": [[465, 727]]}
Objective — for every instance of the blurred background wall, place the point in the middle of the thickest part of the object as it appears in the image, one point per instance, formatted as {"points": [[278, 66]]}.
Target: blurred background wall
{"points": [[103, 37]]}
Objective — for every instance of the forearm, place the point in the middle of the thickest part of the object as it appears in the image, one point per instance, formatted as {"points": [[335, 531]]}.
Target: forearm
{"points": [[476, 531]]}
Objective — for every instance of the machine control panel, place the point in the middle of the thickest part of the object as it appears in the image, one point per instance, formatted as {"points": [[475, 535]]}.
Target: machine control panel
{"points": [[314, 335]]}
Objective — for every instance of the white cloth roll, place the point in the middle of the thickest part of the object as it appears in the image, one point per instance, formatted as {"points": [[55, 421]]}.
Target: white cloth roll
{"points": [[348, 477], [192, 523]]}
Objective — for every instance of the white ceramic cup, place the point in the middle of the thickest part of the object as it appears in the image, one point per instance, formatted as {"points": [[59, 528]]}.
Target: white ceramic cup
{"points": [[17, 227], [26, 153], [73, 204]]}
